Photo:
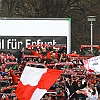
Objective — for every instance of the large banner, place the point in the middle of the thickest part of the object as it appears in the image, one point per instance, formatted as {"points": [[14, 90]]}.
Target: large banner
{"points": [[93, 64], [15, 43]]}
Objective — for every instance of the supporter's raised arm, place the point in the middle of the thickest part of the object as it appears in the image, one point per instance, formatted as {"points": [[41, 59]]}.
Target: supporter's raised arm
{"points": [[20, 54]]}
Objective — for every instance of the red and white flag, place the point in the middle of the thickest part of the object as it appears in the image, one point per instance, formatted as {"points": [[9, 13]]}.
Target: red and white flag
{"points": [[35, 82], [92, 64]]}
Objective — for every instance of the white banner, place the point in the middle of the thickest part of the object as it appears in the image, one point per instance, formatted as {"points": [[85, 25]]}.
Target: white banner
{"points": [[93, 64]]}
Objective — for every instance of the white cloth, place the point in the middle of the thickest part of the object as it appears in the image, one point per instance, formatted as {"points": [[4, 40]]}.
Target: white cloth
{"points": [[92, 97]]}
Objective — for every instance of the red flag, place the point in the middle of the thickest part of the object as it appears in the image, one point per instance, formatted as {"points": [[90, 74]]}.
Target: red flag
{"points": [[35, 82], [14, 77]]}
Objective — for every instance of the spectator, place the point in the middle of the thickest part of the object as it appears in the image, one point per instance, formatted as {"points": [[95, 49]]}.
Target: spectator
{"points": [[53, 58], [1, 53], [63, 57], [20, 55], [70, 80], [69, 85], [92, 94], [78, 87], [45, 60], [9, 53]]}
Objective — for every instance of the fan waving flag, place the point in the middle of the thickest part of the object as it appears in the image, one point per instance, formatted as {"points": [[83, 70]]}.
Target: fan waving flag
{"points": [[35, 82]]}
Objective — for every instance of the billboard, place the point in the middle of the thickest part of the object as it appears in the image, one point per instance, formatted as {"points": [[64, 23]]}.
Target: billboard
{"points": [[15, 43], [17, 33]]}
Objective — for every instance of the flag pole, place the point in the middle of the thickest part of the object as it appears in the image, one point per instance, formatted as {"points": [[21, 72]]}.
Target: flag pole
{"points": [[71, 95]]}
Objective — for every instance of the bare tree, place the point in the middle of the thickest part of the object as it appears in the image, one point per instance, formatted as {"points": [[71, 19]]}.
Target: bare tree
{"points": [[77, 10]]}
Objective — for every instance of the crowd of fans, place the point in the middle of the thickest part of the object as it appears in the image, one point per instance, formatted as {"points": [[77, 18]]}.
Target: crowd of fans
{"points": [[74, 77]]}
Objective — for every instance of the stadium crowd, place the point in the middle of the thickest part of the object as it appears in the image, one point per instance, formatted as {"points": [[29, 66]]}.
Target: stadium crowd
{"points": [[71, 85]]}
